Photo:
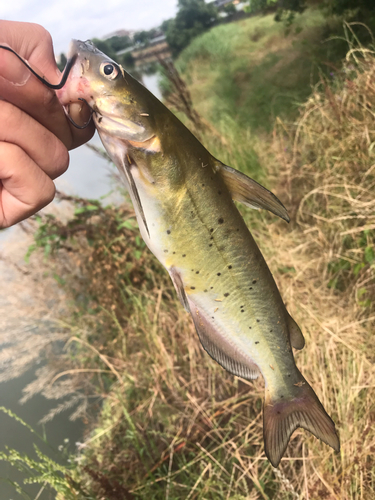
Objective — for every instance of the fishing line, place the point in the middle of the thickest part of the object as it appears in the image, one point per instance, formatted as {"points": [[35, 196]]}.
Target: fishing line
{"points": [[59, 86]]}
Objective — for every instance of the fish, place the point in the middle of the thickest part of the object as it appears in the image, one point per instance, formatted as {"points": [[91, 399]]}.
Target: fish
{"points": [[184, 203]]}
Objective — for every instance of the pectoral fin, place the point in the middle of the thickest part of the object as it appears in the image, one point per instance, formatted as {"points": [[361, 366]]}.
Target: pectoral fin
{"points": [[126, 169], [252, 194], [296, 338], [179, 286], [219, 348]]}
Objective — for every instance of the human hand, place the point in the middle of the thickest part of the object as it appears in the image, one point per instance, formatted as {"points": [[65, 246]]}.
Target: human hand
{"points": [[35, 135]]}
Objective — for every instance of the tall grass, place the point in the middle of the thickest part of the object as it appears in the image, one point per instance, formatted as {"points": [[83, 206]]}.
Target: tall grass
{"points": [[173, 424]]}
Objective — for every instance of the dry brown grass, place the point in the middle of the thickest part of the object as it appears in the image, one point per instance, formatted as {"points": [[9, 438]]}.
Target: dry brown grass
{"points": [[328, 166], [174, 424]]}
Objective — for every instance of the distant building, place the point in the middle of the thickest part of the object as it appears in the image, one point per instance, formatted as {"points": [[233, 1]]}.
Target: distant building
{"points": [[129, 33], [221, 3], [156, 49]]}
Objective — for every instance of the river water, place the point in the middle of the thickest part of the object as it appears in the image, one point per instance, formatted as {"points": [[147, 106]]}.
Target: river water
{"points": [[88, 176]]}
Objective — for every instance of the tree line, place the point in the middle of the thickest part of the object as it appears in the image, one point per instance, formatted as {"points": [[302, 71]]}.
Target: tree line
{"points": [[196, 16]]}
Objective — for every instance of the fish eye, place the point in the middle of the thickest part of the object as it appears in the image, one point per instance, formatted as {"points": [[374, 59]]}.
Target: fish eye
{"points": [[108, 70]]}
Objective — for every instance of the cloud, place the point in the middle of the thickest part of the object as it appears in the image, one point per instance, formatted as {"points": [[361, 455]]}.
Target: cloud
{"points": [[85, 19]]}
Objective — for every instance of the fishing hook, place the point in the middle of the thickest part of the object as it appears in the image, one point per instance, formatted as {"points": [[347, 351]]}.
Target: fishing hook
{"points": [[65, 75], [59, 86], [81, 127]]}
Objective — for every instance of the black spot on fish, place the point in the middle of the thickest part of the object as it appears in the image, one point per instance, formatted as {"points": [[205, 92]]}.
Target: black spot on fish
{"points": [[205, 291], [288, 374], [226, 294], [211, 287], [237, 230], [197, 272], [202, 185], [242, 310], [221, 220], [210, 245], [251, 288], [258, 320], [254, 281], [257, 342], [168, 231], [211, 230], [100, 119], [271, 331], [281, 397], [184, 255], [229, 267], [211, 238], [219, 192], [278, 413], [219, 274], [249, 327], [174, 253], [192, 287]]}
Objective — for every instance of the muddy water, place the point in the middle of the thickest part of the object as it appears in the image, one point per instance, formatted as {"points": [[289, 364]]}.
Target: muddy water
{"points": [[21, 313], [21, 306]]}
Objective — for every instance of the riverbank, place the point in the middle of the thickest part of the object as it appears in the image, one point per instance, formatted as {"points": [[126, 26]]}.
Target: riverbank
{"points": [[173, 423]]}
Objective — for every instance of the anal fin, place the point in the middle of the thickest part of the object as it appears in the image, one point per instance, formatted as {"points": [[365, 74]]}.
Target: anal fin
{"points": [[215, 344]]}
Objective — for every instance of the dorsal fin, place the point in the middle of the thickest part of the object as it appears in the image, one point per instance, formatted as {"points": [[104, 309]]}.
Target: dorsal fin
{"points": [[247, 191]]}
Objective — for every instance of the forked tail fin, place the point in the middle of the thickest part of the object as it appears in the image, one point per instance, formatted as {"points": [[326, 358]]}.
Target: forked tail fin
{"points": [[283, 416]]}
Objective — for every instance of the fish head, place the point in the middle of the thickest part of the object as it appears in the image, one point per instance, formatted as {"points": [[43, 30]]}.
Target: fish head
{"points": [[118, 107]]}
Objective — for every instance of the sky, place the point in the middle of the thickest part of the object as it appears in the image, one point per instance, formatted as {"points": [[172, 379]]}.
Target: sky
{"points": [[85, 19]]}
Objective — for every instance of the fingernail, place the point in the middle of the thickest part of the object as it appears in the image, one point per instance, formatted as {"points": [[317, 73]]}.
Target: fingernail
{"points": [[15, 72]]}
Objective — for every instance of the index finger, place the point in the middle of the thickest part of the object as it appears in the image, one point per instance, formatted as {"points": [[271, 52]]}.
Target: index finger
{"points": [[19, 87]]}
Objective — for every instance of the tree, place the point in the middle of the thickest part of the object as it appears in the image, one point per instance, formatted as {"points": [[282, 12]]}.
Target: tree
{"points": [[286, 9], [119, 42], [193, 18], [143, 37], [105, 47], [230, 9], [63, 60]]}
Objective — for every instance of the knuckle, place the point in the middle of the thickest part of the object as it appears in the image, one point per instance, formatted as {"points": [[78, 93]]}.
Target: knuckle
{"points": [[59, 159], [41, 34], [48, 192]]}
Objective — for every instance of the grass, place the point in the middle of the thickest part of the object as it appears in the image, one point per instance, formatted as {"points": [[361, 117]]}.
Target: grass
{"points": [[256, 70], [173, 424]]}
